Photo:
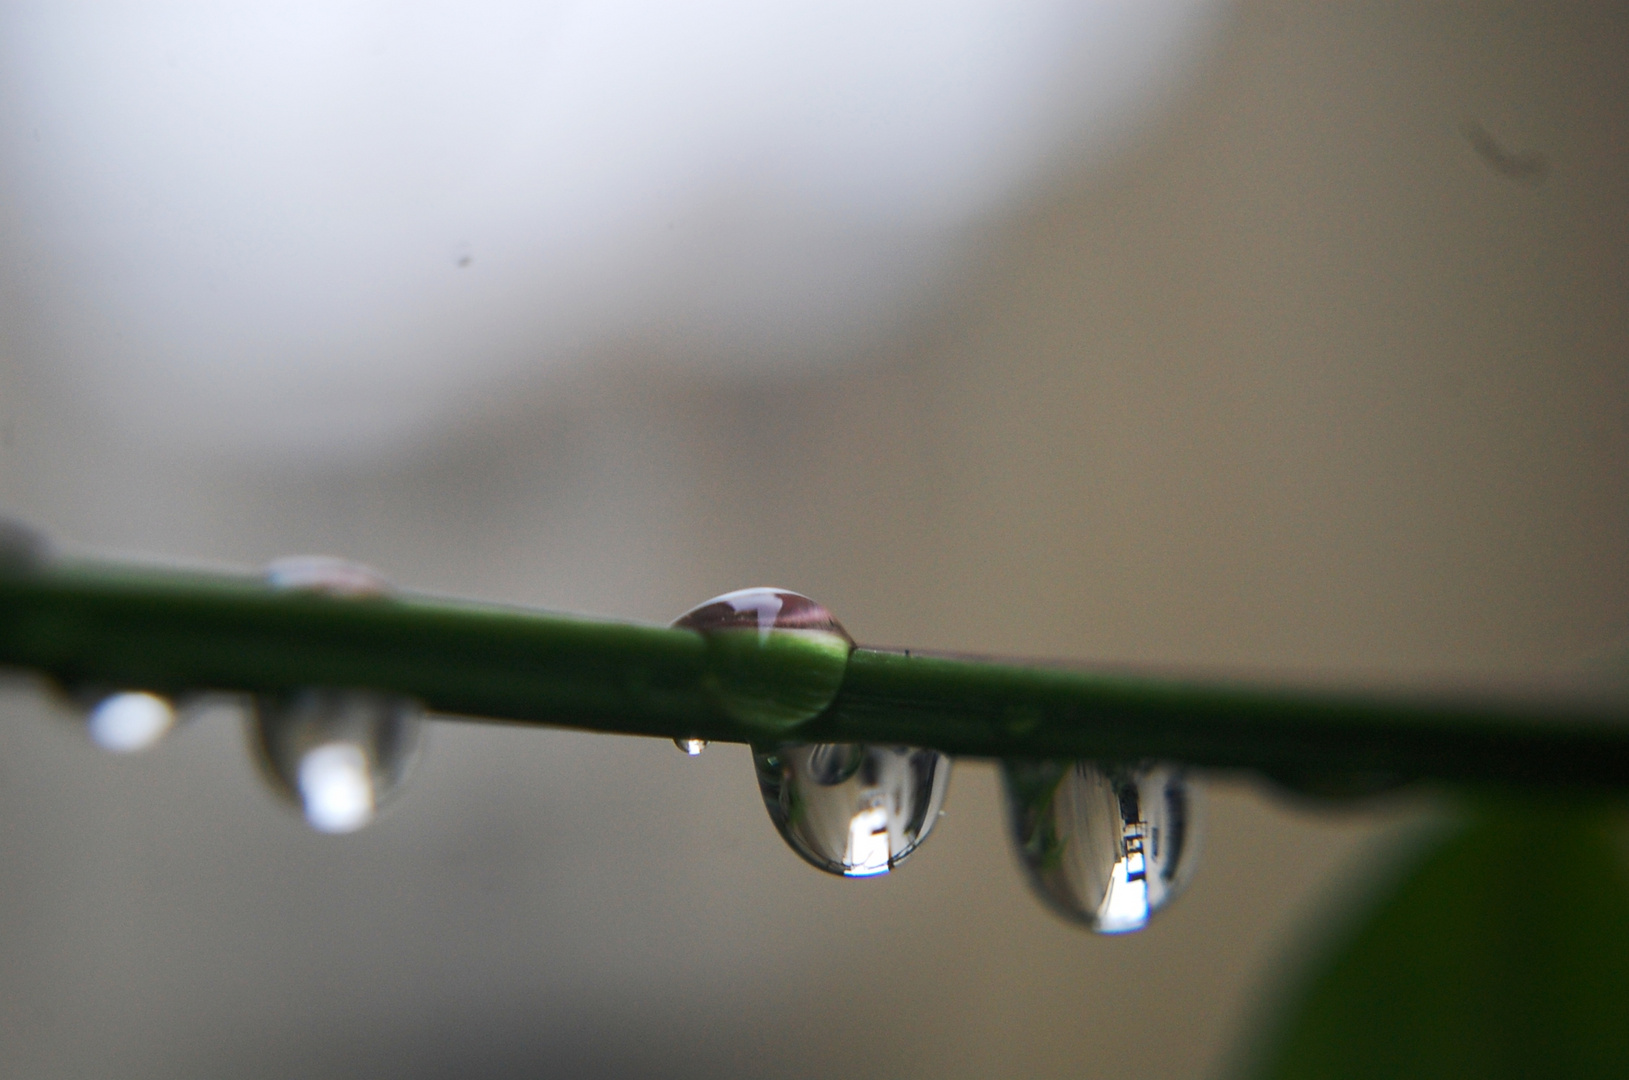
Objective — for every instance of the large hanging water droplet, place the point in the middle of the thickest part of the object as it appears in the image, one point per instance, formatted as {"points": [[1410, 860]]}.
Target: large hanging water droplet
{"points": [[691, 747], [775, 658], [129, 721], [849, 809], [336, 754], [1106, 847]]}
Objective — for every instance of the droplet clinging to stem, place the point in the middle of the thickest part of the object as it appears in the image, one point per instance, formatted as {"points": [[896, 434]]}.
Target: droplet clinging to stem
{"points": [[1107, 847], [853, 810], [129, 721]]}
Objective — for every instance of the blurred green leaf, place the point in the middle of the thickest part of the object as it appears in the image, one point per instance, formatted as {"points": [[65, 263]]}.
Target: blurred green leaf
{"points": [[1504, 953]]}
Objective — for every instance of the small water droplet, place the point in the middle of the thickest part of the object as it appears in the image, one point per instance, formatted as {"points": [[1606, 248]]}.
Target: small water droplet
{"points": [[775, 658], [691, 747], [327, 575], [1104, 846], [336, 754], [850, 809], [129, 721]]}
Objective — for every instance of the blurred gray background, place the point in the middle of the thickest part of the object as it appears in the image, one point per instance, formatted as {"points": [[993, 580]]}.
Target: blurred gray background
{"points": [[1322, 365]]}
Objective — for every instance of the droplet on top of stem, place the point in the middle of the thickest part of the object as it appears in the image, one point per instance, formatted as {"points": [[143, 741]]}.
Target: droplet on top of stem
{"points": [[336, 754], [849, 809], [1107, 847], [327, 575], [775, 658]]}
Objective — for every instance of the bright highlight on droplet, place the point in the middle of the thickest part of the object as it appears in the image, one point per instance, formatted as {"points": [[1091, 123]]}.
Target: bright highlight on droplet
{"points": [[691, 747], [128, 722], [867, 852], [336, 788]]}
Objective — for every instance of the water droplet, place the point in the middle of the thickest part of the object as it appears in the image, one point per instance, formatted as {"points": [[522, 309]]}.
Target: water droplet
{"points": [[337, 754], [326, 574], [691, 747], [775, 658], [1105, 846], [849, 809], [129, 721]]}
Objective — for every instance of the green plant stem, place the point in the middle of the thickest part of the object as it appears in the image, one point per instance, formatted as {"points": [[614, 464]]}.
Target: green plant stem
{"points": [[107, 625]]}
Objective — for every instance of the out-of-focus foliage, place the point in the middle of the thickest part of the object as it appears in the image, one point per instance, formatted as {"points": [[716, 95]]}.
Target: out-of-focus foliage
{"points": [[1504, 953]]}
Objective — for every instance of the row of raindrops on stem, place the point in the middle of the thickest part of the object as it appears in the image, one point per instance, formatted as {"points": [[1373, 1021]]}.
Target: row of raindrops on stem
{"points": [[1105, 846]]}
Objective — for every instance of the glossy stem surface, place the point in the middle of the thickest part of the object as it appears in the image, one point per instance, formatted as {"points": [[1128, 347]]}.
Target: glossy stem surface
{"points": [[95, 624]]}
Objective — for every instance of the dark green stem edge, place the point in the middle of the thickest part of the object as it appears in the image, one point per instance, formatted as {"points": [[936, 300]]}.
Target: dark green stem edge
{"points": [[108, 625]]}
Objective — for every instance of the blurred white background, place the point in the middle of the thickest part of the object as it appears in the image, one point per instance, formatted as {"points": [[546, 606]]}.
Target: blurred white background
{"points": [[299, 229], [1256, 335]]}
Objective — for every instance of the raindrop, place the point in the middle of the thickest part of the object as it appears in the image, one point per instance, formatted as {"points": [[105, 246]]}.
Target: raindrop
{"points": [[775, 658], [129, 721], [691, 747], [850, 809], [1107, 847], [336, 754], [327, 575]]}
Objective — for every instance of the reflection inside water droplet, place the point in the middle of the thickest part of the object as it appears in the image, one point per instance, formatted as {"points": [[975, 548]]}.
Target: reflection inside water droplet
{"points": [[129, 721], [691, 747], [1106, 847], [337, 754], [775, 658], [335, 788], [853, 810]]}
